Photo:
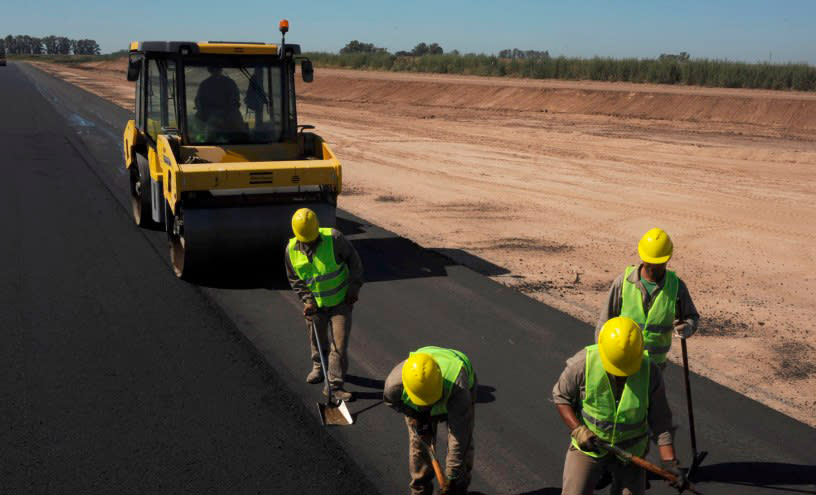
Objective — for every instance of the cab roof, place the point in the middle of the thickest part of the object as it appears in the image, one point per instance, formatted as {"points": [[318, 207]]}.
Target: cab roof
{"points": [[210, 47]]}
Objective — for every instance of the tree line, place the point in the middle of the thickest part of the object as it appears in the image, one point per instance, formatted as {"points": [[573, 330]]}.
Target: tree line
{"points": [[23, 44], [667, 68], [355, 46]]}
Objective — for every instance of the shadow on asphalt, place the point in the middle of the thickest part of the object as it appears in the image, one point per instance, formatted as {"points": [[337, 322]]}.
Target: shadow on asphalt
{"points": [[385, 256], [762, 474], [484, 394], [540, 491]]}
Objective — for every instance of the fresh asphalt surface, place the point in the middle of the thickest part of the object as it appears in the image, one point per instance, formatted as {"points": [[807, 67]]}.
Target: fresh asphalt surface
{"points": [[121, 379]]}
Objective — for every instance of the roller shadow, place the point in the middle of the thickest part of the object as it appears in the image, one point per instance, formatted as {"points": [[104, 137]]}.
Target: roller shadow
{"points": [[252, 272], [387, 256], [762, 474]]}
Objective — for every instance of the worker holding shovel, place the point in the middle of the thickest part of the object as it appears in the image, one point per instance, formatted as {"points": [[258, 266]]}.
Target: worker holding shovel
{"points": [[613, 392], [654, 297], [325, 271], [434, 385]]}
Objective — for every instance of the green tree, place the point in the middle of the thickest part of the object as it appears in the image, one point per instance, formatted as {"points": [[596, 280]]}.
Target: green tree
{"points": [[355, 46], [420, 50]]}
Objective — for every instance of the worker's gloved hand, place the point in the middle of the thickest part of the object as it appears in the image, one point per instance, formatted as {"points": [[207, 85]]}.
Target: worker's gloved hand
{"points": [[673, 467], [585, 438], [309, 309], [682, 329], [352, 297], [455, 487]]}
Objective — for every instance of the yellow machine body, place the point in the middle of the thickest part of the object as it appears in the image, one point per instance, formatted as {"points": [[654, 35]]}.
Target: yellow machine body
{"points": [[217, 201]]}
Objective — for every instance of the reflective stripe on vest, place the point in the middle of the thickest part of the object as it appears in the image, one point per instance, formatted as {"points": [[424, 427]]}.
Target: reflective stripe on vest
{"points": [[327, 280], [624, 425], [658, 324], [450, 362]]}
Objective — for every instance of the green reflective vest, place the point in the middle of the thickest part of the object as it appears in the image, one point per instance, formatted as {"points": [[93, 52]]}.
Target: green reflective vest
{"points": [[624, 425], [327, 280], [450, 362], [658, 324]]}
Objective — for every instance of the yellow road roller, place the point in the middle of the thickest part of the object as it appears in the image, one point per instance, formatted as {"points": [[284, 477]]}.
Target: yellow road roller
{"points": [[215, 154]]}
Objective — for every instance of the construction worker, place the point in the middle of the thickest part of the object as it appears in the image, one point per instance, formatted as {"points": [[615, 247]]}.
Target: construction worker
{"points": [[654, 297], [433, 385], [613, 391], [325, 271]]}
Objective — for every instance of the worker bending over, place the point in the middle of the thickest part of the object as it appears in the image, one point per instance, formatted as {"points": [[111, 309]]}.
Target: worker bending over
{"points": [[433, 385], [613, 391], [654, 297], [325, 271]]}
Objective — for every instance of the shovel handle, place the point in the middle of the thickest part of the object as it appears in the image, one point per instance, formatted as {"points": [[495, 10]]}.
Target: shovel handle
{"points": [[644, 464], [440, 477]]}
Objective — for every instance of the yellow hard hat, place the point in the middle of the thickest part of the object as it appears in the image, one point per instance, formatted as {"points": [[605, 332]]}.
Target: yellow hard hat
{"points": [[304, 225], [621, 346], [655, 247], [422, 379]]}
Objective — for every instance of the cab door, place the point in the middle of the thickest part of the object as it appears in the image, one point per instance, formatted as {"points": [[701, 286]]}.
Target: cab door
{"points": [[159, 117]]}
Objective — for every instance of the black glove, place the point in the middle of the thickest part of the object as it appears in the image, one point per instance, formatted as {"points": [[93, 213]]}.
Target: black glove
{"points": [[352, 297], [673, 467]]}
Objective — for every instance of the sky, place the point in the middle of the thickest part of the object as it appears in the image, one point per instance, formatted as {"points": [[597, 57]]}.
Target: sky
{"points": [[748, 30]]}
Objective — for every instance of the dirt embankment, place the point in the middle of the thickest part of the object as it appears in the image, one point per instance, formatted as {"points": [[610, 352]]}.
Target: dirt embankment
{"points": [[786, 112], [553, 182]]}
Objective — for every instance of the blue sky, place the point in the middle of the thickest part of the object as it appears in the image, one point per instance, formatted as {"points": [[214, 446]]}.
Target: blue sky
{"points": [[737, 30]]}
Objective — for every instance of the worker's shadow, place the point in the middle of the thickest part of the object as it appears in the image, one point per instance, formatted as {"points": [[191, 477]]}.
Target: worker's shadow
{"points": [[762, 474], [540, 491], [364, 382], [485, 394]]}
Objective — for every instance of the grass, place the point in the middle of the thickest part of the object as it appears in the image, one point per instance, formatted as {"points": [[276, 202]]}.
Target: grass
{"points": [[694, 72]]}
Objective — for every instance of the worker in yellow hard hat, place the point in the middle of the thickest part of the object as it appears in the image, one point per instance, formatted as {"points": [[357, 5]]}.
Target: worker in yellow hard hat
{"points": [[325, 271], [613, 391], [654, 297], [435, 384]]}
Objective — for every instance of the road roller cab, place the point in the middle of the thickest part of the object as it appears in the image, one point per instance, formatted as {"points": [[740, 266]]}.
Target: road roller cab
{"points": [[215, 154]]}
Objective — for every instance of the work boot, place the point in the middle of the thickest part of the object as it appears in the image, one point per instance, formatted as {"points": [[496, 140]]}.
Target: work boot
{"points": [[315, 376], [339, 394]]}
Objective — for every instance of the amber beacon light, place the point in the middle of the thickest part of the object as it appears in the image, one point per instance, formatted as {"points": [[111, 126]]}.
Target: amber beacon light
{"points": [[284, 26]]}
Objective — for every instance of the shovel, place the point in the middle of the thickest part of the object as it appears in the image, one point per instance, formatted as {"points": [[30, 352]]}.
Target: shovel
{"points": [[697, 457], [440, 476], [333, 412], [644, 464]]}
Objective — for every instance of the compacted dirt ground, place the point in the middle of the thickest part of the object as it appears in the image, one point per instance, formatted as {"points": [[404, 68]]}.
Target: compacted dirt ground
{"points": [[547, 186]]}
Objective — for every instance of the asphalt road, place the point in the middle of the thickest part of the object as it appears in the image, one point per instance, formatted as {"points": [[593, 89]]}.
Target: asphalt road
{"points": [[123, 379]]}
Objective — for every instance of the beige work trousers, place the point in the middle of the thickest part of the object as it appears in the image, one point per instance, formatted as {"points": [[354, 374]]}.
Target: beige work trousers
{"points": [[339, 319], [581, 473], [460, 454]]}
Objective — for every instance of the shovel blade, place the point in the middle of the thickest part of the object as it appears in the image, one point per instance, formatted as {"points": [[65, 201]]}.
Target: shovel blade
{"points": [[335, 415], [695, 463]]}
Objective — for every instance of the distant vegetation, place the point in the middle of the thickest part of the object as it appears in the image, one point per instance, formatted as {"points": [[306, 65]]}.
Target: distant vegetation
{"points": [[23, 44], [666, 69]]}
